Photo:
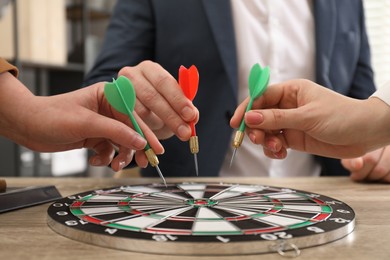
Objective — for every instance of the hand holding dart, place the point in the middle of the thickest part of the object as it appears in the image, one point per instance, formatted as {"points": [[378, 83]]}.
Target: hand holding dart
{"points": [[121, 95], [258, 82], [188, 81]]}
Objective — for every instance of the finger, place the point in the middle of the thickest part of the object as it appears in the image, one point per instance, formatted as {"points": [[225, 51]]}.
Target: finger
{"points": [[99, 126], [256, 136], [163, 133], [276, 155], [274, 143], [141, 159], [273, 119], [150, 118], [382, 167], [386, 179], [104, 152], [365, 167], [160, 93], [123, 159], [150, 136], [270, 98], [169, 88], [238, 115], [353, 165]]}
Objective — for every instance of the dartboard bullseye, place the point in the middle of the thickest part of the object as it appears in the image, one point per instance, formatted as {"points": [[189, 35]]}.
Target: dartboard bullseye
{"points": [[197, 218]]}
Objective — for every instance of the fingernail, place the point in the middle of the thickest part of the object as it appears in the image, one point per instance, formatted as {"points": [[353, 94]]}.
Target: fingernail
{"points": [[254, 118], [187, 113], [252, 137], [279, 155], [271, 145], [182, 131], [139, 142], [121, 165], [96, 161]]}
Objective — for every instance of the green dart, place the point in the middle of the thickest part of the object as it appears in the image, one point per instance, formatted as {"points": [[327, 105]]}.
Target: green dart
{"points": [[258, 82], [121, 95]]}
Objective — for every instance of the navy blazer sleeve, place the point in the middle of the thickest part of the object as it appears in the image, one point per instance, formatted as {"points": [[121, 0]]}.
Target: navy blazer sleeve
{"points": [[129, 40]]}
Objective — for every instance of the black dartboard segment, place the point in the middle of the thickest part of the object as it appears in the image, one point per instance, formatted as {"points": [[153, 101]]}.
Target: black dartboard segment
{"points": [[201, 218]]}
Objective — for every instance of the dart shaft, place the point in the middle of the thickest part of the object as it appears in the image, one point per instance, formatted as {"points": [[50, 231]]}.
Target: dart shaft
{"points": [[193, 130]]}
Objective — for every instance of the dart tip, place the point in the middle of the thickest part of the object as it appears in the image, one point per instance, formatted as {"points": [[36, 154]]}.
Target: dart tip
{"points": [[231, 160], [161, 175], [196, 164]]}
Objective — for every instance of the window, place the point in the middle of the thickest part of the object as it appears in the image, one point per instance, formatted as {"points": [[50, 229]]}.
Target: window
{"points": [[378, 26]]}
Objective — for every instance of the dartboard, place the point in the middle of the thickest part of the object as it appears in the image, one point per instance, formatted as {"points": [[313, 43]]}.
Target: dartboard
{"points": [[201, 218]]}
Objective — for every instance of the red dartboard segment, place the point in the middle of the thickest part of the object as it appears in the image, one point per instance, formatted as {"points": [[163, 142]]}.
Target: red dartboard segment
{"points": [[77, 204], [91, 220], [321, 217], [319, 202], [237, 218]]}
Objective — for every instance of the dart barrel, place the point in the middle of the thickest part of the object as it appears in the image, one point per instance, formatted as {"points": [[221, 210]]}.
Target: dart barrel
{"points": [[238, 138], [152, 157], [194, 144]]}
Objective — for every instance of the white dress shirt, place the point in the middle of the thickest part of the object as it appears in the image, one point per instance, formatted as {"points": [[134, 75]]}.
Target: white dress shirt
{"points": [[280, 34], [383, 93]]}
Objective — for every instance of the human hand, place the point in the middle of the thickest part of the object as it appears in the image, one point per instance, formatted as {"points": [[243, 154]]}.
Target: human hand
{"points": [[373, 166], [160, 101], [82, 118], [302, 115]]}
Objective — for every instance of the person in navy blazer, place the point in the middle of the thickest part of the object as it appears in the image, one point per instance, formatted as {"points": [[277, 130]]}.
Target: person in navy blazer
{"points": [[175, 32]]}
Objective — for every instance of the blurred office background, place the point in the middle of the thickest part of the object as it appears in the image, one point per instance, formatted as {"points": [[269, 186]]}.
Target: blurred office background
{"points": [[54, 43]]}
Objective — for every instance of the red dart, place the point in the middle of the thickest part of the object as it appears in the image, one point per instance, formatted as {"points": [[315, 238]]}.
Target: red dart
{"points": [[189, 81]]}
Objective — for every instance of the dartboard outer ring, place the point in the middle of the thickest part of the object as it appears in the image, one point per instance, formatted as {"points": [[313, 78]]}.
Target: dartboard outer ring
{"points": [[329, 219]]}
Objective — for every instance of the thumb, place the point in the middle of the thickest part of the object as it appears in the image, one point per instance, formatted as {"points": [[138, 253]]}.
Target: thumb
{"points": [[273, 119]]}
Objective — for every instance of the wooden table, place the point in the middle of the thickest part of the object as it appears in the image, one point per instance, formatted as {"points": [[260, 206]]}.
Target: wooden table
{"points": [[24, 233]]}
